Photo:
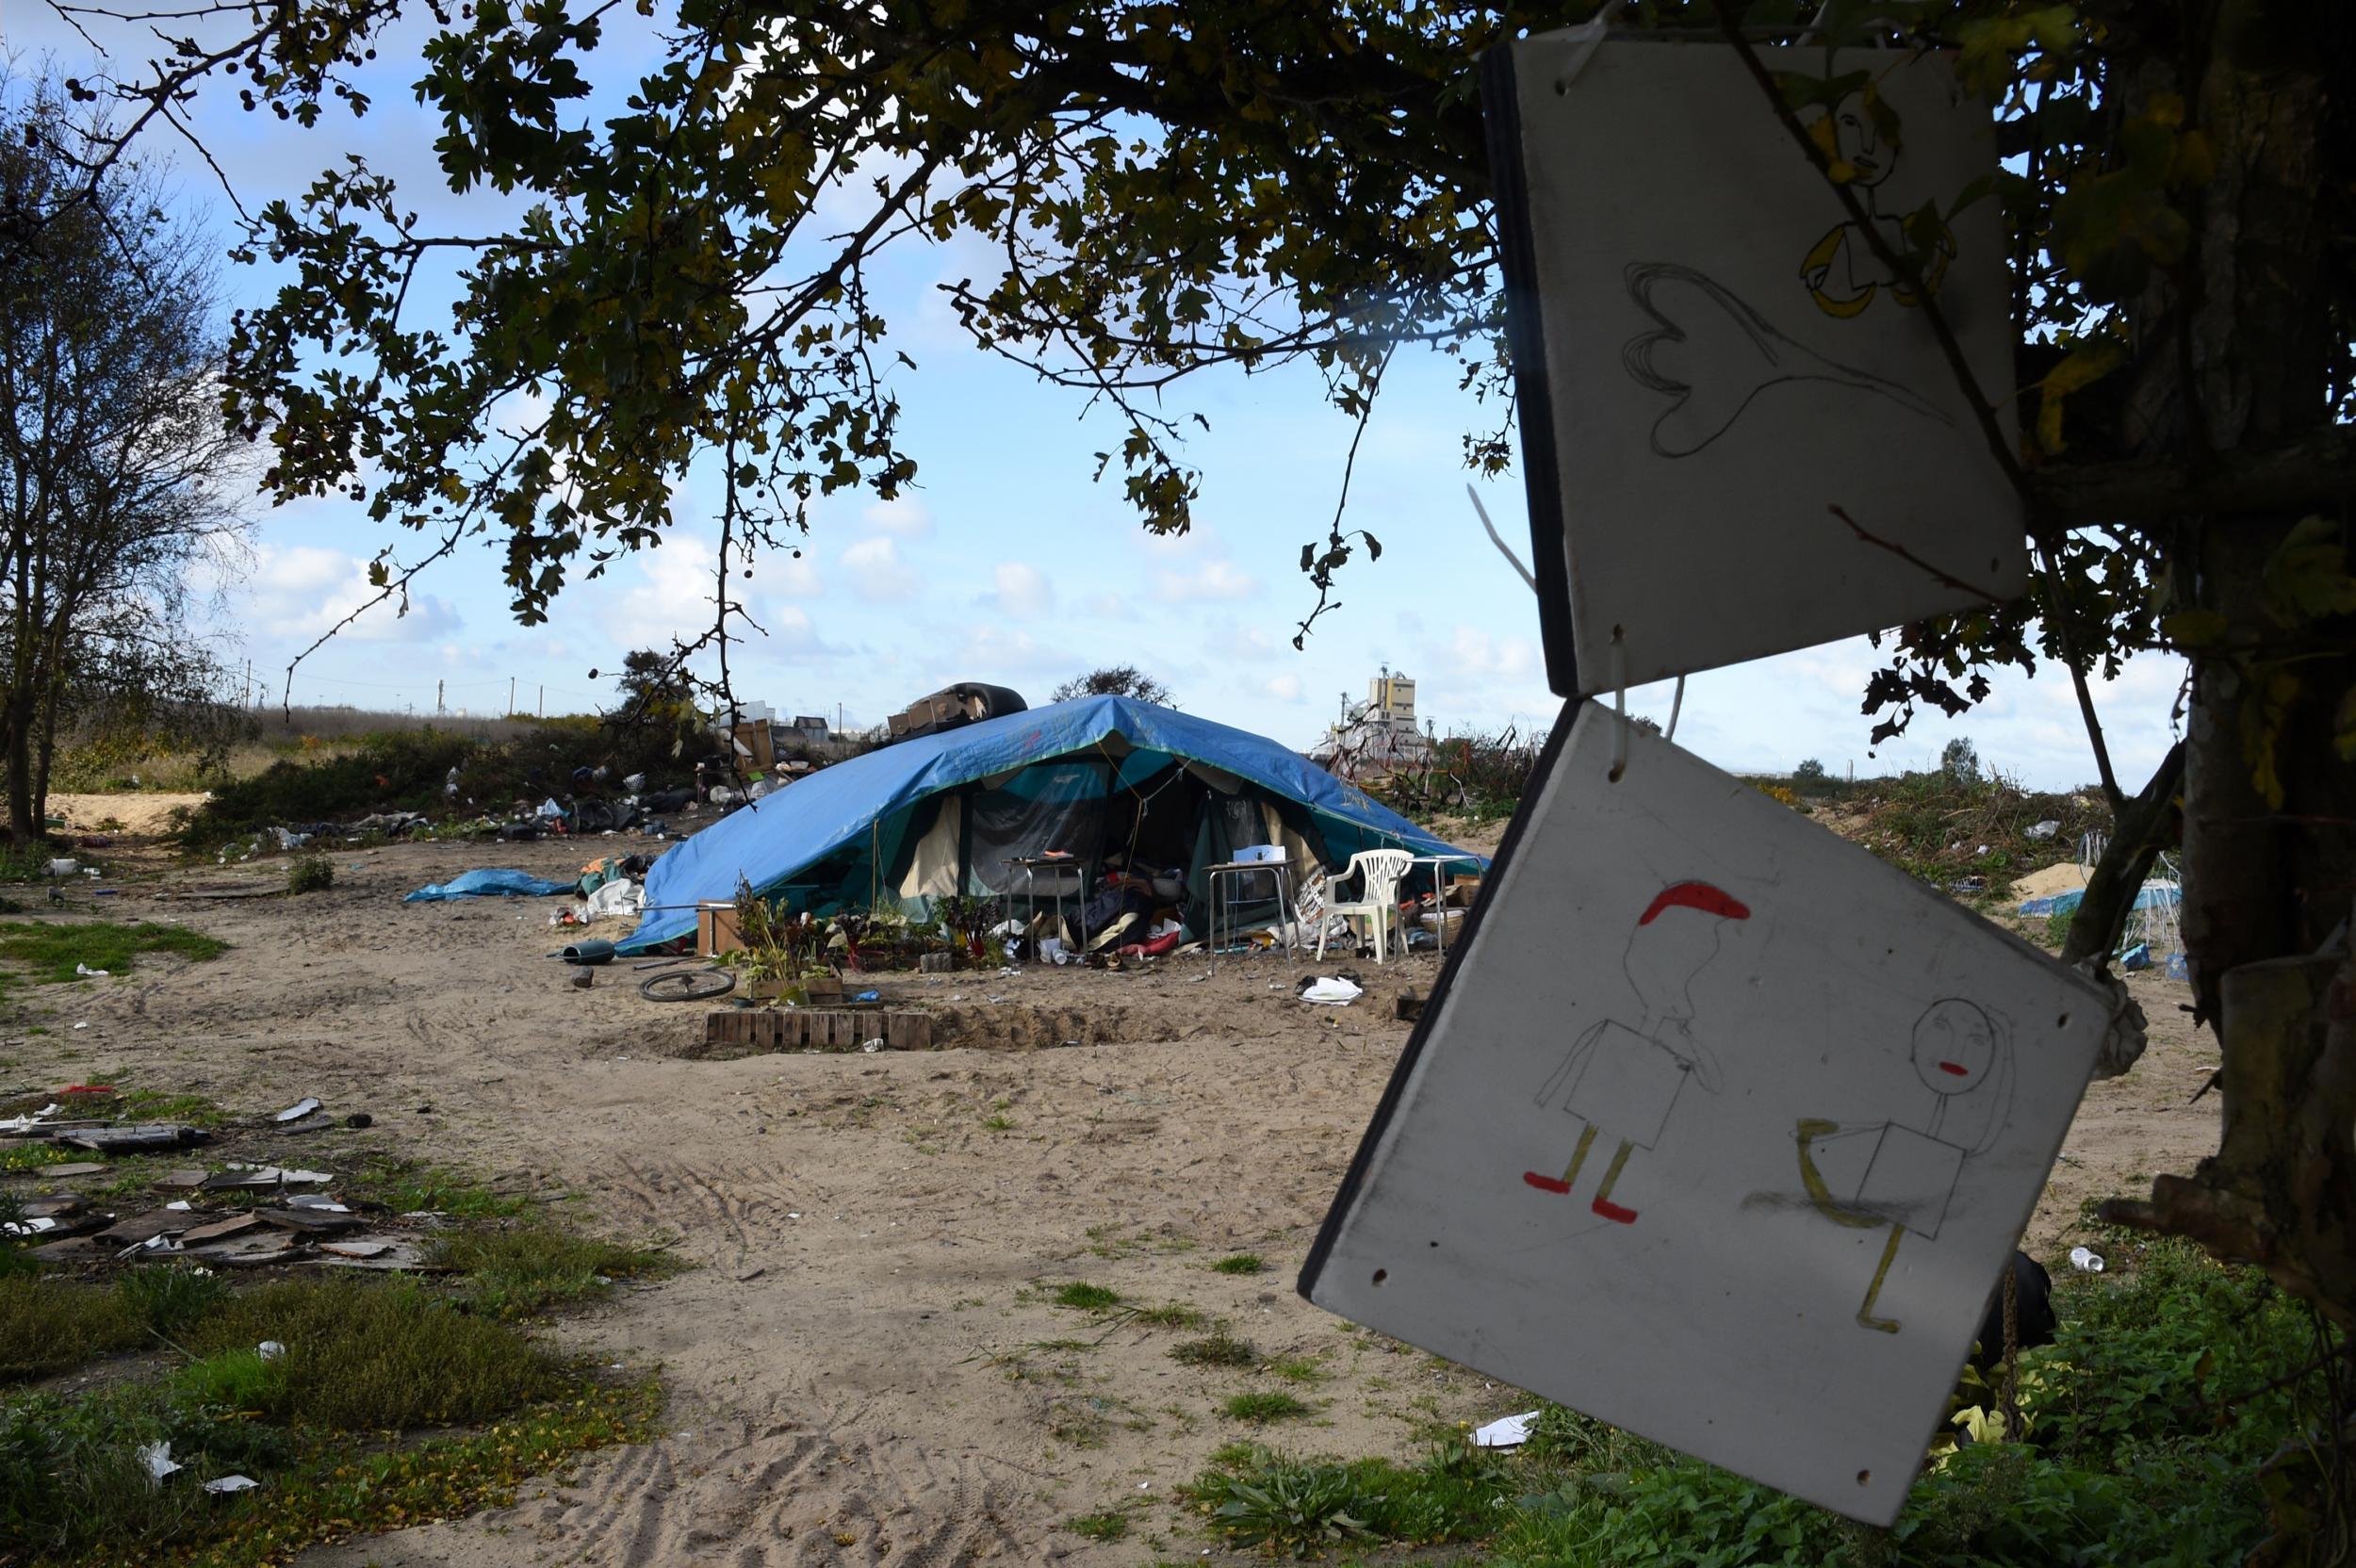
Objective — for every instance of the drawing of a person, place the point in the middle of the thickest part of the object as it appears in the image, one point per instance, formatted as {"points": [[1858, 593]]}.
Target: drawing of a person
{"points": [[1901, 1173], [1841, 271], [1622, 1079]]}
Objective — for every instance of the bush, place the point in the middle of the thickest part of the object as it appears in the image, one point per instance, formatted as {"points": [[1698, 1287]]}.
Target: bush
{"points": [[311, 874]]}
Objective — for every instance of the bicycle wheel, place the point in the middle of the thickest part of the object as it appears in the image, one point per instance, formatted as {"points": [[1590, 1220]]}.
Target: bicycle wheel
{"points": [[694, 985]]}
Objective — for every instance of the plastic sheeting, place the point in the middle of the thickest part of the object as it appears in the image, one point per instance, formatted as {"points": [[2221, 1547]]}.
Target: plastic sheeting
{"points": [[490, 883]]}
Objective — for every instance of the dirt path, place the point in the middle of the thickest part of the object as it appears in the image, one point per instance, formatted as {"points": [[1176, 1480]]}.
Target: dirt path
{"points": [[866, 1362]]}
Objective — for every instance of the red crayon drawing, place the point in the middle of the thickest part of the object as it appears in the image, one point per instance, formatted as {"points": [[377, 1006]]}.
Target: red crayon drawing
{"points": [[1625, 1079]]}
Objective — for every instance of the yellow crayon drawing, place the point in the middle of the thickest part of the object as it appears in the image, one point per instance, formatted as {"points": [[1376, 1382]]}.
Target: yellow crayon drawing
{"points": [[1840, 269]]}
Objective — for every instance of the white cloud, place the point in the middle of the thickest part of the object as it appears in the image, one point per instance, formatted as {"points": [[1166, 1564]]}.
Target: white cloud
{"points": [[673, 598], [1284, 688], [298, 592], [991, 655], [905, 517], [1023, 592], [1475, 653], [1213, 582], [793, 576], [876, 571]]}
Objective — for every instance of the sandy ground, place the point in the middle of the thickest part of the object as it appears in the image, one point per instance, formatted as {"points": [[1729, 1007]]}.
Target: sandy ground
{"points": [[864, 1362], [133, 815]]}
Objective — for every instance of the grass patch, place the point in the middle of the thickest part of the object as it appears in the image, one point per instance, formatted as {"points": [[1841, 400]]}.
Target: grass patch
{"points": [[32, 1156], [72, 1485], [1082, 1297], [409, 1187], [1260, 1407], [522, 1272], [53, 951], [155, 1105], [378, 1356], [46, 1326], [1174, 1314], [1219, 1350], [1110, 1524], [1240, 1263], [1299, 1370]]}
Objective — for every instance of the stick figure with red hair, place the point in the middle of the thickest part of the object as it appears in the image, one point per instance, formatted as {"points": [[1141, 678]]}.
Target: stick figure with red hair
{"points": [[1624, 1079]]}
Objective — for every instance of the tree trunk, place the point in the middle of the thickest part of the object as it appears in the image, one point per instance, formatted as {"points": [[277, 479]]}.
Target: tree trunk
{"points": [[16, 736], [2266, 882]]}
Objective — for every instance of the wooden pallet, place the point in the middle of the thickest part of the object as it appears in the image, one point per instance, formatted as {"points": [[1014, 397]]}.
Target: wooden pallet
{"points": [[801, 1028]]}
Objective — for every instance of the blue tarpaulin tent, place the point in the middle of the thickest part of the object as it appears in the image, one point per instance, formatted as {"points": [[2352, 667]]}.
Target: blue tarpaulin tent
{"points": [[1102, 778]]}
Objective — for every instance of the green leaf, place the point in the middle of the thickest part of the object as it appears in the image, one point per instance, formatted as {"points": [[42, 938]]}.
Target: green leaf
{"points": [[2306, 578]]}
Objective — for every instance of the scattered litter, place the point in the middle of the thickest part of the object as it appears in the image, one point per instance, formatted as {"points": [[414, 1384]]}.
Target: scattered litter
{"points": [[67, 1172], [27, 1227], [31, 1120], [269, 1350], [1332, 991], [2135, 959], [180, 1204], [158, 1457], [2042, 830], [2086, 1260], [868, 996], [81, 1026], [307, 1105], [232, 1484], [221, 1230], [870, 1047], [313, 1200], [89, 973], [1507, 1431]]}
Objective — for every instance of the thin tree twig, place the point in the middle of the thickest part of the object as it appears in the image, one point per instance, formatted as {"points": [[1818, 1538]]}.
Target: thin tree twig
{"points": [[1939, 573]]}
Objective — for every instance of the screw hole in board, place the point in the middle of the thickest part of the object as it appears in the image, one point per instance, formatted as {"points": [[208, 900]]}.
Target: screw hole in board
{"points": [[1380, 1275], [1864, 1478], [2062, 1023]]}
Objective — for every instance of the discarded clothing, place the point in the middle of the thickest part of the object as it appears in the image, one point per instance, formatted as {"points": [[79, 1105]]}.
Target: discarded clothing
{"points": [[488, 883]]}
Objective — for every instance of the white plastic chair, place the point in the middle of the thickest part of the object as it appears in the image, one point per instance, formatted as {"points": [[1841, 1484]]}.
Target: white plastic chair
{"points": [[1379, 872]]}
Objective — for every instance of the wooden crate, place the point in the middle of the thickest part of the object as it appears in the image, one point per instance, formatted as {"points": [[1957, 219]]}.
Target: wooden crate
{"points": [[716, 931], [826, 1028]]}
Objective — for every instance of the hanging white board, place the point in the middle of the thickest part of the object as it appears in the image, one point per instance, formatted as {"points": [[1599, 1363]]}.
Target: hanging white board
{"points": [[1740, 433], [1717, 1128]]}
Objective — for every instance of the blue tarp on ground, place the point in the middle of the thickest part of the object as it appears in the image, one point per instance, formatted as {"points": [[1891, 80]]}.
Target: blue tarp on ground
{"points": [[846, 830], [489, 883], [2152, 895]]}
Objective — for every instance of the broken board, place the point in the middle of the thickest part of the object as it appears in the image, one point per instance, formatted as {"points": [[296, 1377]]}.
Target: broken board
{"points": [[1710, 357], [1716, 1128]]}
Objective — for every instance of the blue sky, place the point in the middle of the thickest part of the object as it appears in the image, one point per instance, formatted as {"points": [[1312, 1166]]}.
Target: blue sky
{"points": [[1007, 564]]}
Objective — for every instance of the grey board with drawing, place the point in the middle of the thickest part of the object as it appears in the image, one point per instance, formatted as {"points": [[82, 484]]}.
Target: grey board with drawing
{"points": [[1711, 357], [1717, 1128]]}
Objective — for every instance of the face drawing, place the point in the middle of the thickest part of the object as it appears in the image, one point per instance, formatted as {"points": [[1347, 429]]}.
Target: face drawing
{"points": [[1861, 144], [1955, 1047]]}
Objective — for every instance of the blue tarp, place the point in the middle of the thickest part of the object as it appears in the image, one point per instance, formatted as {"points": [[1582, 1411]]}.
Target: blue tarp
{"points": [[489, 884], [2152, 895], [865, 807]]}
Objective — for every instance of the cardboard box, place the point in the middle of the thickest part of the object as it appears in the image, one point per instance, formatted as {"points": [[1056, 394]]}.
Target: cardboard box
{"points": [[1462, 891], [716, 931]]}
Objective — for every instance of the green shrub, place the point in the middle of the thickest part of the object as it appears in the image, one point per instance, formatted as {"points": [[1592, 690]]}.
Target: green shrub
{"points": [[1088, 1298], [521, 1272], [310, 874], [1261, 1408], [1218, 1349], [1241, 1262]]}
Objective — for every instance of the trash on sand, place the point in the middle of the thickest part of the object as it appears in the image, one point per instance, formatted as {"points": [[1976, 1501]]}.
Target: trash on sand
{"points": [[62, 868], [307, 1105], [1054, 951], [232, 1484], [1506, 1431], [158, 1457], [314, 1200], [548, 811], [2135, 959], [67, 1172], [30, 1120], [269, 1350], [26, 1227], [1332, 991], [870, 1047], [596, 950], [180, 1205], [89, 973], [2042, 830], [2086, 1260], [488, 882], [221, 1230], [868, 996]]}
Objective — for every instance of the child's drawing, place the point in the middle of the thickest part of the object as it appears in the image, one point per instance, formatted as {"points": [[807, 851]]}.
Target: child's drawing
{"points": [[1841, 271], [1901, 1173], [1713, 353], [1624, 1079]]}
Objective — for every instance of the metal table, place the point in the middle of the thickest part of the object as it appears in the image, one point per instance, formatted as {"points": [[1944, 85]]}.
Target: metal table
{"points": [[1439, 907], [1227, 878], [1067, 879]]}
